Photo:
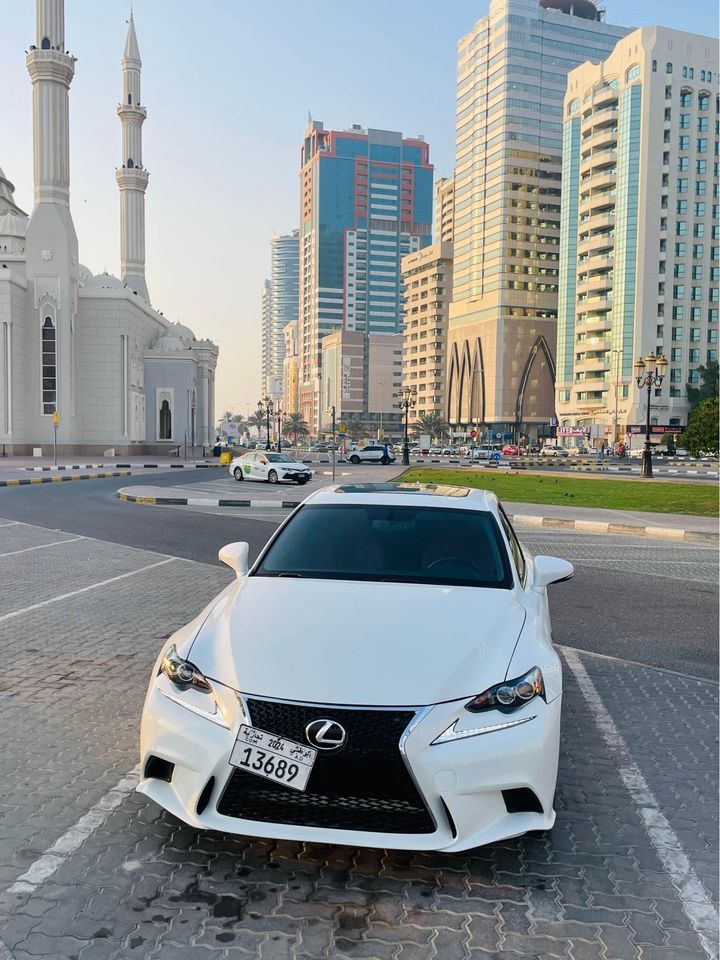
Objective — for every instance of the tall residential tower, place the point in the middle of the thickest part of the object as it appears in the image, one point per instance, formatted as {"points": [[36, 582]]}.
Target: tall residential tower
{"points": [[512, 73], [366, 201], [640, 235]]}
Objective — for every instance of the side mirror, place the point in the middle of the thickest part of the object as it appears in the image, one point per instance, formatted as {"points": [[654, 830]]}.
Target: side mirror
{"points": [[549, 570], [235, 556]]}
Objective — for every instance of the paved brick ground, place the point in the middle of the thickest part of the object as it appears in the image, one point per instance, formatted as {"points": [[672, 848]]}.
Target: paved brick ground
{"points": [[145, 886]]}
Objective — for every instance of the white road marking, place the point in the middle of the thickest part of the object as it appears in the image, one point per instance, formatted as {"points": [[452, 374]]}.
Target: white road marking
{"points": [[693, 896], [41, 546], [74, 593], [63, 848]]}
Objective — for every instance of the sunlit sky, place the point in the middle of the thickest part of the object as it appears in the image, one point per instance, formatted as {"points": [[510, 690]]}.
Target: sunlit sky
{"points": [[228, 85]]}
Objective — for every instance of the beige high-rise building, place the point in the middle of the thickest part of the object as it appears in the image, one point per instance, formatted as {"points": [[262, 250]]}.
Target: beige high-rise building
{"points": [[428, 292], [290, 368], [512, 73], [445, 209], [640, 238]]}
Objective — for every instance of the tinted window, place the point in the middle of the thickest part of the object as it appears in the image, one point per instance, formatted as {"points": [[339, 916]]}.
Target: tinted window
{"points": [[391, 543], [515, 547], [279, 458]]}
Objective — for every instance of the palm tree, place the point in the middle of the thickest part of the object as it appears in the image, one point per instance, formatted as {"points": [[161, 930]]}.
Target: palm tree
{"points": [[239, 419], [227, 416], [295, 427], [257, 420], [433, 424], [356, 426]]}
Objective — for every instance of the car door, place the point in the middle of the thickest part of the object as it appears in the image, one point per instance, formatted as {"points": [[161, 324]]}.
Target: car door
{"points": [[260, 467]]}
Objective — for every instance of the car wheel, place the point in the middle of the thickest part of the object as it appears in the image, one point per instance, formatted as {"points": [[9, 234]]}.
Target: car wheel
{"points": [[384, 461], [354, 459], [272, 476], [237, 473]]}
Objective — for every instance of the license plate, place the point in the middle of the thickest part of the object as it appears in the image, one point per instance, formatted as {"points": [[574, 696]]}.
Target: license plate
{"points": [[272, 757]]}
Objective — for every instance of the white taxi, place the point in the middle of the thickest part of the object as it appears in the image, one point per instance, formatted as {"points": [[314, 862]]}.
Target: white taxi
{"points": [[269, 466]]}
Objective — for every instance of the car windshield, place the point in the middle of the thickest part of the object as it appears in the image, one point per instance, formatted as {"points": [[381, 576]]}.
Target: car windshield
{"points": [[405, 544], [279, 458]]}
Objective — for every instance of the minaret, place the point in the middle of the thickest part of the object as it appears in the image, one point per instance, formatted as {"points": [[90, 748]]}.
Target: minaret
{"points": [[132, 177], [51, 246]]}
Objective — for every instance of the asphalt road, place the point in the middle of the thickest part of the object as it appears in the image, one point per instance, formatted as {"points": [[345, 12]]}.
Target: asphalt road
{"points": [[651, 602]]}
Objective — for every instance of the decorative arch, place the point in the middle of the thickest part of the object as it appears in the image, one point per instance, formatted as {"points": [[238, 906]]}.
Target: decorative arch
{"points": [[540, 344]]}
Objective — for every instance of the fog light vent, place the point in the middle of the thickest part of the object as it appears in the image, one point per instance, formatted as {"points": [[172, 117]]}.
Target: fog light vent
{"points": [[204, 797], [521, 800], [159, 769]]}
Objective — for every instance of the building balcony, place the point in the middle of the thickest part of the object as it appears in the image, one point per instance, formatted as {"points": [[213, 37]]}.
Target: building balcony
{"points": [[605, 96], [595, 344], [596, 323], [591, 365], [599, 260], [603, 113], [604, 179], [602, 138], [591, 403]]}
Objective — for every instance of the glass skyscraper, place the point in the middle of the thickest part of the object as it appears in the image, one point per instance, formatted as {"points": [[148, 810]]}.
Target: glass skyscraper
{"points": [[366, 201], [512, 73]]}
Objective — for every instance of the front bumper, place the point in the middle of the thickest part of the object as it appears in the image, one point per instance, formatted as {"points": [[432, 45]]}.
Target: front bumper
{"points": [[461, 782]]}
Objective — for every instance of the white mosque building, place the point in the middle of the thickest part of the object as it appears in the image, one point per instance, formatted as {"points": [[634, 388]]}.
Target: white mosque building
{"points": [[90, 347]]}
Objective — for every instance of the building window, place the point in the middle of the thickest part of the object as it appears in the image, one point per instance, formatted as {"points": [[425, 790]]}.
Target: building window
{"points": [[165, 421], [694, 355], [702, 145], [680, 249], [632, 73], [684, 120], [694, 334], [49, 366], [677, 334], [683, 142], [702, 124], [681, 228], [668, 68], [654, 66], [678, 313], [700, 188], [701, 167], [699, 209], [712, 336], [679, 270], [676, 354], [683, 163], [678, 291], [711, 356], [699, 230], [682, 185], [694, 376], [681, 206], [686, 98], [703, 101]]}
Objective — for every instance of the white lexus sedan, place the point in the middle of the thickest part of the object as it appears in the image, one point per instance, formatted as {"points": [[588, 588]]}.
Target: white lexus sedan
{"points": [[420, 711]]}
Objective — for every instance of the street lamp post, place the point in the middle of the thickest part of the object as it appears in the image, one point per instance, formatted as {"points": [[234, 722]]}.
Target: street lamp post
{"points": [[406, 396], [618, 354], [266, 406], [649, 373], [279, 415]]}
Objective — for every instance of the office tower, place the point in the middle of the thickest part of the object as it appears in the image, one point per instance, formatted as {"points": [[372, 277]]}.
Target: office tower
{"points": [[512, 73], [284, 266], [428, 291], [290, 368], [366, 201], [266, 336], [640, 236]]}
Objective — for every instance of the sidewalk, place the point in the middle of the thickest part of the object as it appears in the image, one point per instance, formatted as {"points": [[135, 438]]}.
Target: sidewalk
{"points": [[17, 467]]}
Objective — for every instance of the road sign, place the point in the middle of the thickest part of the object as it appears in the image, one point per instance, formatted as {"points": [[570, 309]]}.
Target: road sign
{"points": [[498, 436], [495, 456], [56, 419], [473, 434], [341, 428]]}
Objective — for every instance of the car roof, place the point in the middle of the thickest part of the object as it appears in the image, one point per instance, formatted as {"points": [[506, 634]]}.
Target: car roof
{"points": [[410, 494]]}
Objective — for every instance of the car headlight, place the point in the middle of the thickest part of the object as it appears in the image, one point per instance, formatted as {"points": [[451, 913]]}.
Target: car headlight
{"points": [[510, 694], [182, 673]]}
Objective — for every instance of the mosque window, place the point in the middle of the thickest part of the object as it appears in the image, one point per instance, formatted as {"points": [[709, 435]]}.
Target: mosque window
{"points": [[165, 421], [130, 99], [49, 366], [45, 43], [130, 164]]}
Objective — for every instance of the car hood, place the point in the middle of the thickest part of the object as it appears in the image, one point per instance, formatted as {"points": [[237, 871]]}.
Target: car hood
{"points": [[357, 643]]}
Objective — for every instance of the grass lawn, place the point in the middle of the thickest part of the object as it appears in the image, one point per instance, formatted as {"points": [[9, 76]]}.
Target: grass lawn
{"points": [[697, 499]]}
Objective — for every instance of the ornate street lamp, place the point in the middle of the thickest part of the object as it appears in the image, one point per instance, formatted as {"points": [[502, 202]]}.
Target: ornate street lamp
{"points": [[406, 396], [279, 414], [266, 406], [649, 373]]}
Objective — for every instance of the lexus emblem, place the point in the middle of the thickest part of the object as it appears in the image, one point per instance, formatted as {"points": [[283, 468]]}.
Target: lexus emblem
{"points": [[325, 734]]}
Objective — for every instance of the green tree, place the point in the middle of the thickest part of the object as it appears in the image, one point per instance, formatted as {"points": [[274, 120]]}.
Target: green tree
{"points": [[709, 387], [701, 435], [228, 415], [430, 423], [356, 427], [257, 420], [295, 427]]}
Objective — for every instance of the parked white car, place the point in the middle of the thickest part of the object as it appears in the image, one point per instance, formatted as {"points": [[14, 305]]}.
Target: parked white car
{"points": [[269, 466], [368, 731], [372, 453], [551, 450]]}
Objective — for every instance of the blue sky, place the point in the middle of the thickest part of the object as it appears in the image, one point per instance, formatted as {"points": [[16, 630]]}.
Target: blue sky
{"points": [[228, 85]]}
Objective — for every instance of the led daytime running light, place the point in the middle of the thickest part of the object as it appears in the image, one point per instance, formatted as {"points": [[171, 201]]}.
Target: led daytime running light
{"points": [[183, 673], [452, 734]]}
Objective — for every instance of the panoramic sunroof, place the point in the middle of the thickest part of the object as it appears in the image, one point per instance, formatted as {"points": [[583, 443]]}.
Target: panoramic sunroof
{"points": [[433, 489]]}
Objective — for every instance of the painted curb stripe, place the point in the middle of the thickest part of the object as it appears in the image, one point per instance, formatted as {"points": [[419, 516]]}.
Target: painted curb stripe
{"points": [[128, 466], [27, 481]]}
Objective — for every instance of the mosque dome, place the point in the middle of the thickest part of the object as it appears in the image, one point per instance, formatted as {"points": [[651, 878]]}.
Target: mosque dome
{"points": [[104, 281], [12, 225]]}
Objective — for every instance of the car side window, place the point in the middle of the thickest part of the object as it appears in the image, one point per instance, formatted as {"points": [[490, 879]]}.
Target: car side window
{"points": [[515, 547]]}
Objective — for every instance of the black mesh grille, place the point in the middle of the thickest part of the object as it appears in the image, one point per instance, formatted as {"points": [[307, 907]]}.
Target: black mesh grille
{"points": [[363, 786]]}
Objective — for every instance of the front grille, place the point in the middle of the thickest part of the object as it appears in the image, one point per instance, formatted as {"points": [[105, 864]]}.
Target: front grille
{"points": [[364, 786]]}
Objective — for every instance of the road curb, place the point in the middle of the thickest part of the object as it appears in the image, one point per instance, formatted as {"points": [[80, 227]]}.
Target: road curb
{"points": [[129, 466], [584, 526], [627, 529], [28, 481], [207, 502]]}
